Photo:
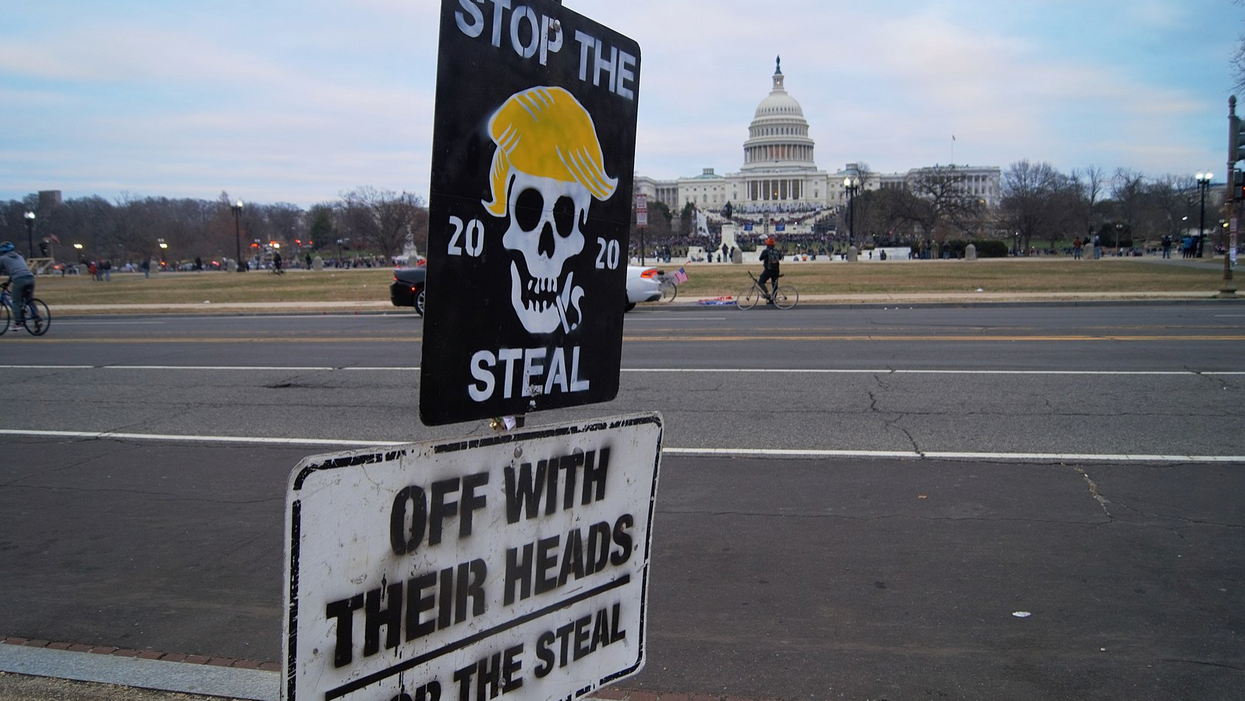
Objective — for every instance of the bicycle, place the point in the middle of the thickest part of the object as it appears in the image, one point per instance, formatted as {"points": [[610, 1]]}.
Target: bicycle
{"points": [[668, 286], [785, 297], [36, 322]]}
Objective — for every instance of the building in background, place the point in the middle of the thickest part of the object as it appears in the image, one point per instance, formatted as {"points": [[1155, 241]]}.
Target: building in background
{"points": [[780, 173]]}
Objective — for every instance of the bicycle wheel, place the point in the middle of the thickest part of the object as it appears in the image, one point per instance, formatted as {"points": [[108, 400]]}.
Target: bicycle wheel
{"points": [[786, 297], [38, 317], [5, 315], [669, 290], [748, 298]]}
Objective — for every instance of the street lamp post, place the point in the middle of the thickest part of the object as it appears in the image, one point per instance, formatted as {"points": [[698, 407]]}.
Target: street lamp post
{"points": [[30, 232], [852, 188], [237, 234], [1203, 184], [1228, 289]]}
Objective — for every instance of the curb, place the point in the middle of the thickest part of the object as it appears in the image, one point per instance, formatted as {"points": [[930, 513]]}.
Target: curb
{"points": [[199, 674], [813, 302], [142, 669]]}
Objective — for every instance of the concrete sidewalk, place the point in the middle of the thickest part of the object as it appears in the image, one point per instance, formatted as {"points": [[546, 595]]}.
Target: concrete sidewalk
{"points": [[42, 673], [46, 674]]}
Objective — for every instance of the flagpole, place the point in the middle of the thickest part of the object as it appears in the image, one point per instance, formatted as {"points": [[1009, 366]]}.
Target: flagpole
{"points": [[953, 149]]}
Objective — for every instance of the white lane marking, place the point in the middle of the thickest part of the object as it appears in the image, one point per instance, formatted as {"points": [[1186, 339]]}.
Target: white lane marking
{"points": [[62, 322], [690, 371], [684, 452], [47, 367], [291, 368], [668, 315], [106, 435], [947, 455]]}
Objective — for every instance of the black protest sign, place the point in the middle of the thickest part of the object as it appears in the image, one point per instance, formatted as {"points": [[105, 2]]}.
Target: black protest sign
{"points": [[533, 152]]}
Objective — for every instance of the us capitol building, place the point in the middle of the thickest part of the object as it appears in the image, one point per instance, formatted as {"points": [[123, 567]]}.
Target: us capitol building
{"points": [[780, 177]]}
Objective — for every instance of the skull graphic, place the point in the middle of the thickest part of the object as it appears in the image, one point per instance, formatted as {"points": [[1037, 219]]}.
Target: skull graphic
{"points": [[545, 216], [547, 169]]}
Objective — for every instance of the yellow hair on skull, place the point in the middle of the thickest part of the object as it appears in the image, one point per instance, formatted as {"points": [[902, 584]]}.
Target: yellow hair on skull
{"points": [[544, 131]]}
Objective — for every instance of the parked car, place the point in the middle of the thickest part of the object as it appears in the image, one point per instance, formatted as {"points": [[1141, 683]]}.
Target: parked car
{"points": [[407, 288], [642, 285]]}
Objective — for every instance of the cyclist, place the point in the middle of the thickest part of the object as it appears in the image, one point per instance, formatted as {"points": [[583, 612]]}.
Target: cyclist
{"points": [[769, 259], [22, 281]]}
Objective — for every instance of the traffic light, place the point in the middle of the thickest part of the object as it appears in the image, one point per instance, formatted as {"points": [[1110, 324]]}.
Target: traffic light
{"points": [[1236, 140]]}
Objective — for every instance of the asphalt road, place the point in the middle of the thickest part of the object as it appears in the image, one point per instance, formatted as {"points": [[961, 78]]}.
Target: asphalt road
{"points": [[854, 504]]}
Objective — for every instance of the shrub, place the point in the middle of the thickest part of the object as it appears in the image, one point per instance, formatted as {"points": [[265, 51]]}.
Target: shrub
{"points": [[990, 248]]}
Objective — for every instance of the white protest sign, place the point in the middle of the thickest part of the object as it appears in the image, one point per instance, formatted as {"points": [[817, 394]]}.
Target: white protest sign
{"points": [[513, 564]]}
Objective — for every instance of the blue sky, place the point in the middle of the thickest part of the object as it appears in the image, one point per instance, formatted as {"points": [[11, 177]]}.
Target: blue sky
{"points": [[282, 101]]}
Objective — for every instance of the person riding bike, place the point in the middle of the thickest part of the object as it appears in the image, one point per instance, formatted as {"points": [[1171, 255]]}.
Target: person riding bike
{"points": [[22, 281], [769, 259]]}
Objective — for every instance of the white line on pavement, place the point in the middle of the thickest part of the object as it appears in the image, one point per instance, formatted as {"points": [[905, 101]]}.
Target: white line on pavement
{"points": [[71, 322], [287, 368], [240, 440], [690, 371], [682, 452]]}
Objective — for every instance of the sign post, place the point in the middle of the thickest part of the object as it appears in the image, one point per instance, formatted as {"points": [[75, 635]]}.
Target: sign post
{"points": [[529, 211], [515, 564], [641, 220]]}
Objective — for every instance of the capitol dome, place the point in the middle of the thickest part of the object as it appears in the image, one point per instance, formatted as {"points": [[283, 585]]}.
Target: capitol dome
{"points": [[778, 137]]}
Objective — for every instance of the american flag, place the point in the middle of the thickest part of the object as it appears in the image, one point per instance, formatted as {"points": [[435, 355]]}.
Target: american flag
{"points": [[680, 276]]}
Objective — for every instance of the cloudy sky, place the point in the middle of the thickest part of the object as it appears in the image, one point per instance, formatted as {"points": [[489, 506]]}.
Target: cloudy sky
{"points": [[299, 100]]}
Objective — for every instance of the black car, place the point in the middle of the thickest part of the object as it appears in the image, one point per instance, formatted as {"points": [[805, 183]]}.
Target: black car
{"points": [[407, 288]]}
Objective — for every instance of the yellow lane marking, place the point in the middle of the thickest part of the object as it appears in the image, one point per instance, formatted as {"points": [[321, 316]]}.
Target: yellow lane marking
{"points": [[183, 339], [944, 338], [976, 338]]}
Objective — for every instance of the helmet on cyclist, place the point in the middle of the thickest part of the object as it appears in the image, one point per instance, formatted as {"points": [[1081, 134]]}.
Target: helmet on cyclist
{"points": [[769, 241], [6, 247]]}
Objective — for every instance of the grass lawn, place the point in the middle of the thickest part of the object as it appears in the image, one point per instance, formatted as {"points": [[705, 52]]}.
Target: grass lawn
{"points": [[705, 280], [363, 284], [1007, 275]]}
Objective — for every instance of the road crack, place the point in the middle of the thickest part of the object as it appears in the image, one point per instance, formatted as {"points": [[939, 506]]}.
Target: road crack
{"points": [[1093, 491]]}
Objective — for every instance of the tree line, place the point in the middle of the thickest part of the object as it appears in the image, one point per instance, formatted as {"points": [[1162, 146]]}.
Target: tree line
{"points": [[130, 228], [1037, 206]]}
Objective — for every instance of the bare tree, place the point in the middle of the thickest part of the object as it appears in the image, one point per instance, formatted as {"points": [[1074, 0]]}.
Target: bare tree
{"points": [[941, 199], [1036, 198], [1128, 189], [1238, 60], [1092, 183], [385, 219], [286, 221]]}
